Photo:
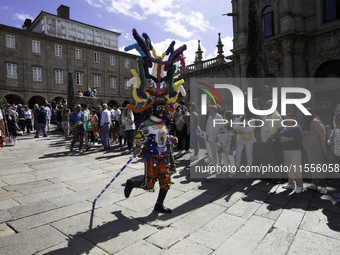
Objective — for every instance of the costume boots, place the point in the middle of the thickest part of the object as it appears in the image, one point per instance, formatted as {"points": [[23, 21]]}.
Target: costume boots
{"points": [[130, 184], [159, 207]]}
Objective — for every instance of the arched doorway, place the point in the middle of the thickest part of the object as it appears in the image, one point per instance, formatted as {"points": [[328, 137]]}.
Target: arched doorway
{"points": [[14, 99], [125, 103], [329, 69], [113, 102], [35, 100], [57, 99]]}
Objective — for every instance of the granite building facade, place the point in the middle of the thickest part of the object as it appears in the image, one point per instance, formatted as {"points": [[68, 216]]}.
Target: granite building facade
{"points": [[35, 61], [302, 40]]}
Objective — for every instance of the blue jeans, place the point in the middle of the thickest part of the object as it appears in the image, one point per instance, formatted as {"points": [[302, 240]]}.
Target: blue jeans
{"points": [[43, 127], [129, 135], [105, 136]]}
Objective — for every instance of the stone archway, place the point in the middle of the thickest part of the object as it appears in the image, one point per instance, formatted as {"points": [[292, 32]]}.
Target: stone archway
{"points": [[328, 69], [113, 102], [35, 100], [125, 103], [57, 99], [14, 99]]}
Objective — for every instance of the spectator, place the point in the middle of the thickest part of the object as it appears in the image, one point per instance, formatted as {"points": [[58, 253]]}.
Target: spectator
{"points": [[77, 123], [88, 93], [112, 124], [212, 133], [41, 118], [121, 128], [59, 118], [86, 113], [21, 117], [314, 142], [2, 130], [11, 125], [48, 118], [35, 113], [95, 93], [245, 139], [48, 104], [65, 120], [226, 138], [128, 122], [95, 122], [54, 108], [2, 125], [204, 121], [117, 113], [28, 119], [79, 93], [195, 130], [181, 128], [291, 139], [334, 139], [269, 132], [105, 122]]}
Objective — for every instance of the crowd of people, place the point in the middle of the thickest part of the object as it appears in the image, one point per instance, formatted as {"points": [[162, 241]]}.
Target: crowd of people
{"points": [[288, 144], [225, 144]]}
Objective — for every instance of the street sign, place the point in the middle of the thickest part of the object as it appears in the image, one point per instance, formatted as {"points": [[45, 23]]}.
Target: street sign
{"points": [[3, 102]]}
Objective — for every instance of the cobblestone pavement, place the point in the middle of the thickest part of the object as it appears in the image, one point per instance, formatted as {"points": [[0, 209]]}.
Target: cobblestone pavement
{"points": [[47, 193]]}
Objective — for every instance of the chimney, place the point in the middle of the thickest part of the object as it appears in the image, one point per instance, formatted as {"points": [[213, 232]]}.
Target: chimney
{"points": [[26, 24], [63, 12]]}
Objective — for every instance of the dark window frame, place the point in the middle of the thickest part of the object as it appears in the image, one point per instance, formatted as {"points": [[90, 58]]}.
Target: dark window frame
{"points": [[267, 11], [335, 6]]}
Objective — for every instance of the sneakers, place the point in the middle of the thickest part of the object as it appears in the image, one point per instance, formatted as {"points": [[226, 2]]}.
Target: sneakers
{"points": [[128, 188], [81, 151], [187, 151], [288, 186], [180, 153], [312, 186], [193, 158], [71, 148], [298, 190], [337, 195], [208, 160], [323, 190]]}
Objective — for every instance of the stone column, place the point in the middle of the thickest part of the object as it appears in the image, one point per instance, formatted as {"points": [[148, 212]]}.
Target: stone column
{"points": [[287, 49]]}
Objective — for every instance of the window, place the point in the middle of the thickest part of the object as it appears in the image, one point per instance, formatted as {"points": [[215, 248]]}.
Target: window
{"points": [[78, 54], [11, 71], [79, 78], [37, 74], [97, 80], [96, 57], [127, 63], [268, 21], [113, 82], [10, 41], [112, 60], [36, 46], [125, 83], [58, 50], [330, 10], [59, 76]]}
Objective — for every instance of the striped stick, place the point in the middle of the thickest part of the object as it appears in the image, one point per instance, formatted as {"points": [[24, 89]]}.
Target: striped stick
{"points": [[121, 170]]}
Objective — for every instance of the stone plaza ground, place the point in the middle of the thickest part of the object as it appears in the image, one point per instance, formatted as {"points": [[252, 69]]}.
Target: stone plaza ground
{"points": [[47, 193]]}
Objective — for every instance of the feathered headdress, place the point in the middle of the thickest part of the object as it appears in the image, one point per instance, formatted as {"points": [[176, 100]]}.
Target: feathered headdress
{"points": [[163, 70]]}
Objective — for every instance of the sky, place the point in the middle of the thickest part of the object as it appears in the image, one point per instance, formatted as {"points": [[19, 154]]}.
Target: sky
{"points": [[185, 21]]}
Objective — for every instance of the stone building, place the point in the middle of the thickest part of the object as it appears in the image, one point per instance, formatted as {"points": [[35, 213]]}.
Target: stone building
{"points": [[301, 40], [35, 61]]}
